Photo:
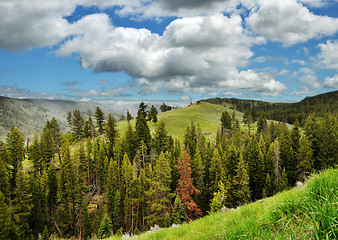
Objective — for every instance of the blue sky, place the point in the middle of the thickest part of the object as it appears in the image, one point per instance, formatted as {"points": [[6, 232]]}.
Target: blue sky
{"points": [[125, 51]]}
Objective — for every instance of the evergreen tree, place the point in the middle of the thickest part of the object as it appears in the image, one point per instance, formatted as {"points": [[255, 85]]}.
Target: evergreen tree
{"points": [[112, 186], [159, 197], [220, 198], [7, 230], [185, 187], [78, 124], [105, 229], [269, 187], [215, 171], [46, 148], [131, 142], [4, 175], [178, 215], [129, 116], [305, 160], [99, 117], [160, 139], [111, 133], [283, 182], [261, 125], [16, 153], [52, 184], [153, 114], [190, 139], [142, 131], [226, 120], [247, 119], [241, 183], [34, 154]]}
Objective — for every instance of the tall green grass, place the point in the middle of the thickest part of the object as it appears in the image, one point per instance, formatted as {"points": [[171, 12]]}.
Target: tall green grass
{"points": [[308, 212]]}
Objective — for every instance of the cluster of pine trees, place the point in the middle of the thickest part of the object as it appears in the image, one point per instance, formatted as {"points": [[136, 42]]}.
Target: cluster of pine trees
{"points": [[96, 181]]}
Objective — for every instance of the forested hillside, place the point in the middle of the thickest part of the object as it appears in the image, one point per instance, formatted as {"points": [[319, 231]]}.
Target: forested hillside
{"points": [[97, 181], [30, 115], [285, 112]]}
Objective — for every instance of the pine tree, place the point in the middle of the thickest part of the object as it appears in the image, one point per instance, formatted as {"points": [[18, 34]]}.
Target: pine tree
{"points": [[215, 171], [16, 153], [105, 229], [52, 184], [185, 187], [305, 160], [7, 230], [99, 117], [111, 132], [226, 120], [283, 182], [153, 114], [190, 139], [160, 139], [4, 175], [112, 185], [131, 142], [241, 183], [129, 116], [34, 154], [269, 187], [46, 148], [78, 124], [178, 215], [158, 195]]}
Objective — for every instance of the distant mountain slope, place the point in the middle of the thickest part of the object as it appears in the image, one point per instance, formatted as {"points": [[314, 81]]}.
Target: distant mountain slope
{"points": [[207, 115], [285, 112], [30, 115]]}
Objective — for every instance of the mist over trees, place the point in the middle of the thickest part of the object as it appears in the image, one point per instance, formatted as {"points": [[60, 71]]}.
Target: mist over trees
{"points": [[95, 180]]}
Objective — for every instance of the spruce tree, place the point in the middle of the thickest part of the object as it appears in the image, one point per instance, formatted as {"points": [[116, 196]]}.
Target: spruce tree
{"points": [[241, 183], [129, 116], [16, 153], [158, 195], [105, 229], [160, 139], [34, 154], [226, 121], [99, 117], [7, 230], [305, 159], [178, 215], [111, 132], [215, 171], [142, 131], [4, 174], [78, 125]]}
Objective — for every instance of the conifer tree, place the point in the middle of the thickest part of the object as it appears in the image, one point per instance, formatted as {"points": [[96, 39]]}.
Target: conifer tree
{"points": [[226, 121], [159, 197], [190, 139], [305, 160], [160, 139], [105, 229], [7, 230], [16, 152], [131, 142], [111, 133], [178, 215], [215, 171], [126, 182], [4, 175], [112, 186], [269, 187], [185, 187], [283, 182], [34, 154], [241, 183], [78, 124], [46, 148], [52, 186], [142, 131], [129, 116], [153, 114], [99, 117]]}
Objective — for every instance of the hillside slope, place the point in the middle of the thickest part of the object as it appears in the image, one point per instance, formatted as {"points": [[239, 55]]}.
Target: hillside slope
{"points": [[285, 112], [207, 115], [307, 212], [30, 115]]}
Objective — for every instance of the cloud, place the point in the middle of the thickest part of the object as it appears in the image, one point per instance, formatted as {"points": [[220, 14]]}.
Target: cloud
{"points": [[289, 22], [15, 92], [32, 24], [103, 82], [303, 90], [331, 82], [328, 57], [102, 93], [317, 3], [70, 83], [310, 80]]}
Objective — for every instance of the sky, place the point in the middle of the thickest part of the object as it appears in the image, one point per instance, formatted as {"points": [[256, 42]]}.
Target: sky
{"points": [[173, 51]]}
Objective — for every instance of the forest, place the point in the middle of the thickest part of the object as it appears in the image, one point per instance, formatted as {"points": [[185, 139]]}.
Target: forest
{"points": [[94, 181]]}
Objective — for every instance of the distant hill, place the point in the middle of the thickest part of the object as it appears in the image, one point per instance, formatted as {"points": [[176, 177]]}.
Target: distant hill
{"points": [[205, 114], [285, 112], [30, 115]]}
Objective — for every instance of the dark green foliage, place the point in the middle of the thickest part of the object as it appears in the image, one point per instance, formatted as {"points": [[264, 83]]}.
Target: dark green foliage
{"points": [[15, 150], [261, 125], [78, 124], [226, 120], [165, 108], [7, 230], [152, 115], [160, 139], [45, 234], [99, 117], [241, 183], [283, 182], [105, 229], [178, 215], [4, 174], [129, 116], [190, 139], [142, 131], [111, 133]]}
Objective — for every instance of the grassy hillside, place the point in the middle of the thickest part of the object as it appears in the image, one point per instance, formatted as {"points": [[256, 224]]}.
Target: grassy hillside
{"points": [[207, 115], [308, 212], [30, 115], [286, 112]]}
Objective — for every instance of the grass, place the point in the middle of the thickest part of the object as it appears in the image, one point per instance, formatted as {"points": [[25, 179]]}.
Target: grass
{"points": [[177, 120], [308, 212]]}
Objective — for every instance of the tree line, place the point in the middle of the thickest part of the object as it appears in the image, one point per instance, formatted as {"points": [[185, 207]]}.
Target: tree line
{"points": [[97, 181]]}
